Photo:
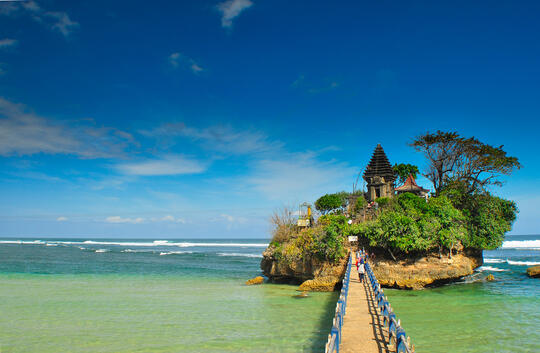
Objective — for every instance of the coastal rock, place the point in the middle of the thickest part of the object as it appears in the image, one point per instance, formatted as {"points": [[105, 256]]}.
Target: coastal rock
{"points": [[490, 278], [417, 273], [279, 270], [534, 271], [320, 284], [256, 280]]}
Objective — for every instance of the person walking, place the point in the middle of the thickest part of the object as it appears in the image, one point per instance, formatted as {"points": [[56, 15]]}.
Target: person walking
{"points": [[361, 271]]}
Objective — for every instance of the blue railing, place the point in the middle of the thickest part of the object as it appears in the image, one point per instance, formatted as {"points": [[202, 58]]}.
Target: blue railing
{"points": [[396, 334], [334, 338]]}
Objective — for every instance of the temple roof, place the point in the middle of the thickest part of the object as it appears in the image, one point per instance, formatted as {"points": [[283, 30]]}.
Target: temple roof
{"points": [[410, 185], [379, 166]]}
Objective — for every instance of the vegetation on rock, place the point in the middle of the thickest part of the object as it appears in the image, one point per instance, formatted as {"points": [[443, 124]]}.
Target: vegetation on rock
{"points": [[462, 214]]}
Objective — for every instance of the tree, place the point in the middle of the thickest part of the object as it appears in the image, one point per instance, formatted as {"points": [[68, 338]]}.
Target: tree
{"points": [[402, 171], [455, 159], [330, 202]]}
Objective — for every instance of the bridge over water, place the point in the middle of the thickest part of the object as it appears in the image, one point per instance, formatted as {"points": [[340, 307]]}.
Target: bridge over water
{"points": [[364, 320]]}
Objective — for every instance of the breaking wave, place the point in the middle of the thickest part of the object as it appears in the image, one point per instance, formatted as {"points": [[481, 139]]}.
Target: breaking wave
{"points": [[521, 244], [137, 244], [238, 254], [175, 253], [523, 263], [490, 268]]}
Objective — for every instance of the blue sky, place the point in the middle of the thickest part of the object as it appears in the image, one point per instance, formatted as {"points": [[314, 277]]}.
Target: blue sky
{"points": [[196, 119]]}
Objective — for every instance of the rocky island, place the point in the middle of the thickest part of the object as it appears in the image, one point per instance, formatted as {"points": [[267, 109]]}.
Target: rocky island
{"points": [[416, 238]]}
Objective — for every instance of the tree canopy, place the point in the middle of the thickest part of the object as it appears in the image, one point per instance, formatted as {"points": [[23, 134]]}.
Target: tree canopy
{"points": [[402, 171], [331, 202], [456, 159]]}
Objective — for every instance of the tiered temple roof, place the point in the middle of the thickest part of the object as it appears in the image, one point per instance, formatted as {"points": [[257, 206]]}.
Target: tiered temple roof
{"points": [[410, 186], [379, 166]]}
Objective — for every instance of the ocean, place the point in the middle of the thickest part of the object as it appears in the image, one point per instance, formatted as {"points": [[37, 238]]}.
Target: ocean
{"points": [[118, 295]]}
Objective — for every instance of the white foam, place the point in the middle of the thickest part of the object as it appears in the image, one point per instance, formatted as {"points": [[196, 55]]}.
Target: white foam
{"points": [[26, 242], [175, 253], [523, 263], [102, 250], [490, 268], [494, 261], [138, 244], [50, 244], [238, 254], [165, 243], [521, 244]]}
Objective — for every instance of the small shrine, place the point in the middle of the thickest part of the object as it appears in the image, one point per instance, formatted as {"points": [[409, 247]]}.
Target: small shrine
{"points": [[410, 186], [379, 176]]}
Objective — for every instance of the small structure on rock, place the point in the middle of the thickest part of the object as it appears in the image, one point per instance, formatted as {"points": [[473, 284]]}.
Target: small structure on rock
{"points": [[379, 176], [410, 186]]}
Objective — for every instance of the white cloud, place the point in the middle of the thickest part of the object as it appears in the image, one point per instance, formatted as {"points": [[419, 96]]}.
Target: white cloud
{"points": [[118, 219], [231, 9], [169, 218], [22, 132], [169, 165], [62, 23], [55, 20], [62, 219], [177, 60], [4, 43]]}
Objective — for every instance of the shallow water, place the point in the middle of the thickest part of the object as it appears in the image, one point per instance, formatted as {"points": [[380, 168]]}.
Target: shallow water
{"points": [[475, 315], [62, 298], [189, 296]]}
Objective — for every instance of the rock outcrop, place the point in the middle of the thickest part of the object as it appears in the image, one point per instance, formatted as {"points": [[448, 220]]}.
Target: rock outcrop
{"points": [[256, 280], [313, 274], [414, 272], [321, 284], [419, 272], [534, 271]]}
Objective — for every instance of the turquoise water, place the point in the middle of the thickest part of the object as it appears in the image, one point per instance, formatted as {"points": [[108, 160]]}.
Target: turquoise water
{"points": [[189, 296], [129, 298], [475, 315]]}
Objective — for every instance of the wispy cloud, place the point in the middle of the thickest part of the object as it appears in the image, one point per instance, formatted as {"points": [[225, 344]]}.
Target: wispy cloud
{"points": [[177, 60], [231, 9], [118, 219], [168, 165], [221, 138], [22, 132], [169, 218], [62, 219], [5, 43], [54, 20], [299, 176]]}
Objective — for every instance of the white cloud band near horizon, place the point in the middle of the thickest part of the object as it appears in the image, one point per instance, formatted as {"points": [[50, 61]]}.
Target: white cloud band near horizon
{"points": [[168, 165]]}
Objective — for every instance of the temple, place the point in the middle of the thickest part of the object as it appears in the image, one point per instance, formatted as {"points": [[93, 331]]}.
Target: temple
{"points": [[379, 176]]}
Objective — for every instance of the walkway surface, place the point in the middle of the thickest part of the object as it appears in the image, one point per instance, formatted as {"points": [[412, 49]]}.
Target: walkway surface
{"points": [[363, 330]]}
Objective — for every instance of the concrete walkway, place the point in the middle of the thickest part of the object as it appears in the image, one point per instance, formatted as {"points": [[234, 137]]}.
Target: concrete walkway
{"points": [[363, 330]]}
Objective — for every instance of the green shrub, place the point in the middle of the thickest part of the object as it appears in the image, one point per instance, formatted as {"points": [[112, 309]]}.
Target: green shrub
{"points": [[331, 202]]}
